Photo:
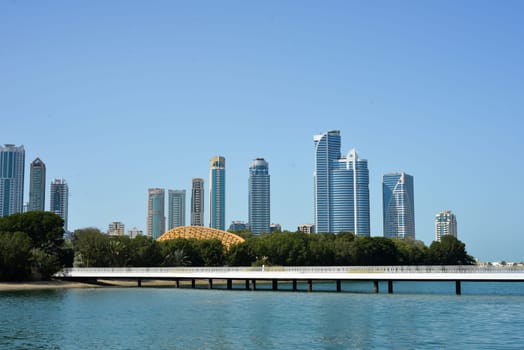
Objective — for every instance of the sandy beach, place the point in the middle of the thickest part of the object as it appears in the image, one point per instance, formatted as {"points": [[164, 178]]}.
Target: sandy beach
{"points": [[102, 283]]}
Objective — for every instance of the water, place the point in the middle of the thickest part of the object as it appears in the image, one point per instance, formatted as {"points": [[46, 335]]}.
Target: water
{"points": [[419, 316]]}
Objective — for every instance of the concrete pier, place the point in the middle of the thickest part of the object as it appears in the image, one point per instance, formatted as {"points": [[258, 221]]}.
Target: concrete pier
{"points": [[375, 286], [458, 288], [274, 284], [294, 285], [210, 283], [390, 286], [309, 285], [339, 286]]}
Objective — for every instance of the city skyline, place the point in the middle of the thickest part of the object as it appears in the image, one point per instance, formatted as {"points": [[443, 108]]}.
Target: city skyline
{"points": [[118, 99]]}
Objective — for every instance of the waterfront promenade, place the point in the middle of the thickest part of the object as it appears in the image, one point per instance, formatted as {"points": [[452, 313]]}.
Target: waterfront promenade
{"points": [[276, 274]]}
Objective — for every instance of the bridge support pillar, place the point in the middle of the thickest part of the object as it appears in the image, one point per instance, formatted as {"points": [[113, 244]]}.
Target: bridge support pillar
{"points": [[309, 285], [274, 284], [294, 285], [177, 283], [339, 286], [458, 288], [229, 284], [247, 285], [254, 284], [193, 283], [210, 283], [139, 283], [390, 286], [375, 286]]}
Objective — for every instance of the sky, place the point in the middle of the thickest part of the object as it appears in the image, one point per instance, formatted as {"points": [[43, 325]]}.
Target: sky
{"points": [[120, 96]]}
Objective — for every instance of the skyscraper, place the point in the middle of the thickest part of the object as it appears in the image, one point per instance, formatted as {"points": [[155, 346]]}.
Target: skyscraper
{"points": [[445, 224], [12, 159], [37, 186], [341, 188], [59, 202], [197, 202], [156, 220], [259, 196], [398, 203], [176, 208], [217, 193], [327, 150]]}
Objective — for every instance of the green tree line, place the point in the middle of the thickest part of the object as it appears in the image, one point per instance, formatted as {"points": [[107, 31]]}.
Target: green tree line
{"points": [[32, 247]]}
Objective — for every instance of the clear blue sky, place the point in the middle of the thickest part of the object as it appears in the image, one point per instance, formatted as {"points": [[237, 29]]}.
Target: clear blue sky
{"points": [[120, 96]]}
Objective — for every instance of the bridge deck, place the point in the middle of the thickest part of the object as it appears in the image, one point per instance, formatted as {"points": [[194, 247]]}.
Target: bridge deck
{"points": [[391, 273]]}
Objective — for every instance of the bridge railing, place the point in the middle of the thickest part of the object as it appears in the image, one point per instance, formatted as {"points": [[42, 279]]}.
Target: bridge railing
{"points": [[302, 269]]}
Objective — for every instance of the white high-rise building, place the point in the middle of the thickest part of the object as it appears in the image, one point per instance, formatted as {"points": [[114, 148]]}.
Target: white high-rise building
{"points": [[445, 224], [116, 228]]}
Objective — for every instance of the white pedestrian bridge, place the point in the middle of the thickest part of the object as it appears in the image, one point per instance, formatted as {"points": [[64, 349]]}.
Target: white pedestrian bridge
{"points": [[309, 274]]}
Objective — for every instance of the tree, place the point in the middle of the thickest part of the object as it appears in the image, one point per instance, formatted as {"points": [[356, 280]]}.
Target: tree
{"points": [[410, 251], [45, 233], [92, 246], [146, 252], [449, 251], [45, 229], [15, 256], [211, 252], [240, 254]]}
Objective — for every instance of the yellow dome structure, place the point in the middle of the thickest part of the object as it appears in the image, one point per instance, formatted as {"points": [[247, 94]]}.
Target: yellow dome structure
{"points": [[201, 232]]}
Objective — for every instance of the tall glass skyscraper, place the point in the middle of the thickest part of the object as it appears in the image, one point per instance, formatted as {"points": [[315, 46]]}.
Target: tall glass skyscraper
{"points": [[341, 188], [398, 203], [350, 195], [37, 186], [445, 224], [12, 160], [59, 202], [197, 202], [259, 196], [176, 208], [156, 220], [217, 193]]}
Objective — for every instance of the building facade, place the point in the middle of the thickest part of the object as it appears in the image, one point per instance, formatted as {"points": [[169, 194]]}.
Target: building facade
{"points": [[445, 224], [12, 160], [398, 205], [238, 226], [37, 186], [156, 220], [306, 228], [59, 199], [341, 188], [116, 228], [197, 202], [259, 196], [176, 208], [217, 193], [134, 232]]}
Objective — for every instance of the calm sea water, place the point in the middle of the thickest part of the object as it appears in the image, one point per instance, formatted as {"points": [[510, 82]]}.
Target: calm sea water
{"points": [[417, 316]]}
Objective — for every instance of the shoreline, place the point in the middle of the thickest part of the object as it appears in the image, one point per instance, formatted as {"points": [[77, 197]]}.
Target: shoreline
{"points": [[102, 283]]}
